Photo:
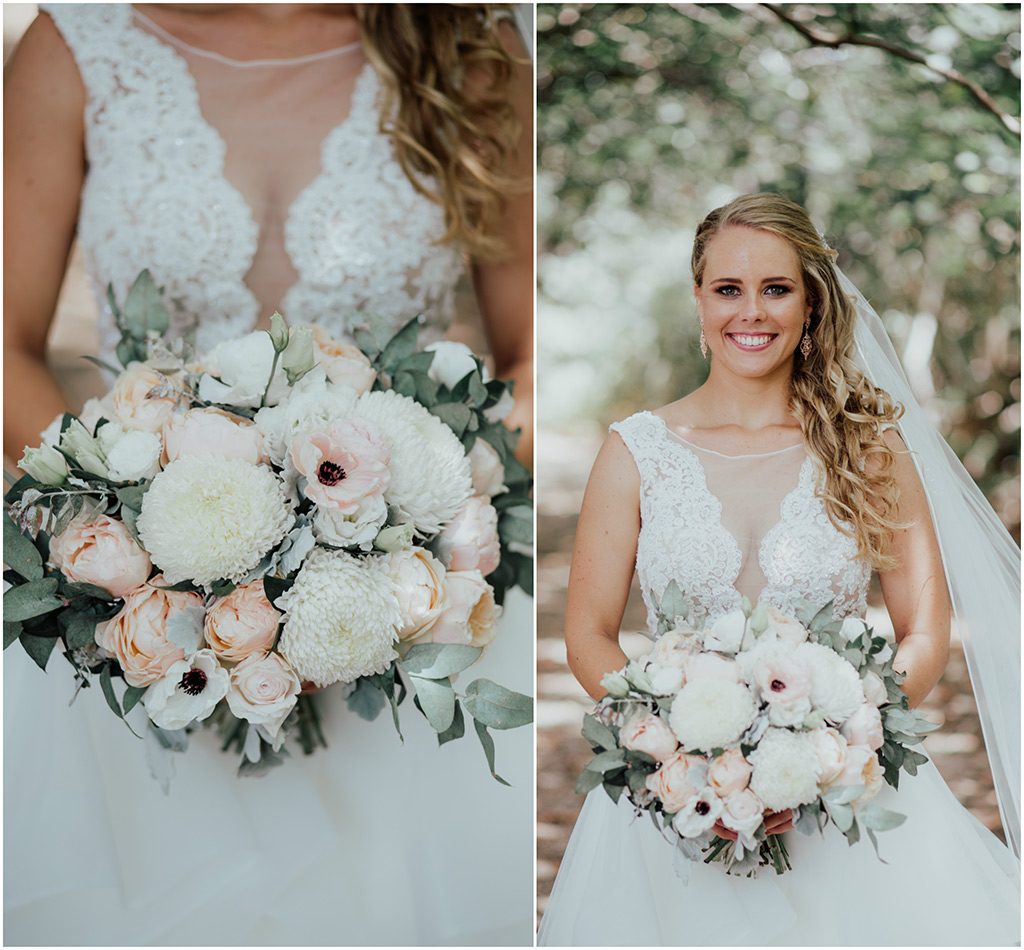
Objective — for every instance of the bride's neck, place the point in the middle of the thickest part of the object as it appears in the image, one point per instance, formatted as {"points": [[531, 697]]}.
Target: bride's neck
{"points": [[750, 404]]}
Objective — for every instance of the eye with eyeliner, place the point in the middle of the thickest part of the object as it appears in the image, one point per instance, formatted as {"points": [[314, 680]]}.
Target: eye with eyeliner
{"points": [[781, 288]]}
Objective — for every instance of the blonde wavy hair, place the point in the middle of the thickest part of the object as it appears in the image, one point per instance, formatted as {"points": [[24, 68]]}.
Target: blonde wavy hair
{"points": [[841, 413], [456, 145]]}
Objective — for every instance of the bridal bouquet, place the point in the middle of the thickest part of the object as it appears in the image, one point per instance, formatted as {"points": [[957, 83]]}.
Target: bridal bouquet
{"points": [[225, 532], [758, 713]]}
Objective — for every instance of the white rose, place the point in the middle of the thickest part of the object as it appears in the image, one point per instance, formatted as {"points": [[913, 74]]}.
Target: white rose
{"points": [[830, 747], [237, 372], [344, 363], [645, 732], [487, 468], [785, 627], [874, 689], [45, 464], [420, 586], [675, 647], [132, 454], [742, 812], [864, 727], [862, 768], [263, 691], [665, 679], [452, 362], [726, 633], [355, 529], [188, 692]]}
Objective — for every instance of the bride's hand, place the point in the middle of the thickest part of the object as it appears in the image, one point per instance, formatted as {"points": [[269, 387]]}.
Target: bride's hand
{"points": [[776, 822]]}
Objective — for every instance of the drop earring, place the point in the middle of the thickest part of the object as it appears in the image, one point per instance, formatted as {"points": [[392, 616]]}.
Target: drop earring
{"points": [[806, 345], [703, 342]]}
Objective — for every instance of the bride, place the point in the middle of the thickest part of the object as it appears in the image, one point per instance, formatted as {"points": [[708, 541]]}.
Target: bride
{"points": [[787, 478], [333, 162]]}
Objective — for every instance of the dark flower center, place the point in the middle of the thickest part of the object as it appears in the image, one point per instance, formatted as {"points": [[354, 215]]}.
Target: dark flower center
{"points": [[330, 473], [702, 808], [193, 682], [777, 686]]}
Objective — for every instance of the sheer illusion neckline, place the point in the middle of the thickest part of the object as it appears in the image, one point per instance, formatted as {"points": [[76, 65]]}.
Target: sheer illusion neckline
{"points": [[173, 40], [700, 448]]}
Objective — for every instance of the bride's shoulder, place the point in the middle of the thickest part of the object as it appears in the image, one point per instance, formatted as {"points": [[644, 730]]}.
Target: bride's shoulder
{"points": [[678, 415]]}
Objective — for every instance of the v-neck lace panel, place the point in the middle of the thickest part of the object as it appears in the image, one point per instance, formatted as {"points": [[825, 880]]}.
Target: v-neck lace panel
{"points": [[724, 527], [247, 190]]}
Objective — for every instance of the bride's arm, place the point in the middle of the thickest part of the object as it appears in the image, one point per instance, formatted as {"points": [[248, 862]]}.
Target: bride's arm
{"points": [[602, 566], [44, 163], [504, 288], [915, 591]]}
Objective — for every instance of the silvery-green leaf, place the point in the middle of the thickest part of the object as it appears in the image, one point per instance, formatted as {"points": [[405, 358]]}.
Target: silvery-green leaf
{"points": [[144, 309], [614, 791], [80, 631], [300, 542], [456, 730], [11, 633], [807, 822], [587, 781], [20, 554], [874, 842], [690, 847], [131, 697], [437, 700], [185, 628], [606, 761], [488, 746], [496, 706], [438, 660], [878, 818], [636, 780], [31, 600], [842, 815], [597, 733], [759, 620], [853, 833], [252, 748], [39, 648], [366, 700], [673, 603], [842, 794]]}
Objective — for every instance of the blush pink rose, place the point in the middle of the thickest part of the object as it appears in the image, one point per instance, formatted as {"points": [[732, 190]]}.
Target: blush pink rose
{"points": [[343, 363], [864, 727], [862, 768], [742, 812], [242, 623], [263, 691], [487, 469], [730, 772], [470, 542], [142, 398], [469, 614], [421, 590], [343, 465], [137, 635], [212, 432], [649, 734], [830, 747], [874, 689], [100, 550], [671, 783]]}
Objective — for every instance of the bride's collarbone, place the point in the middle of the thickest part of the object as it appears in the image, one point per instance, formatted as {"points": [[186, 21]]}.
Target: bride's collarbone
{"points": [[728, 439]]}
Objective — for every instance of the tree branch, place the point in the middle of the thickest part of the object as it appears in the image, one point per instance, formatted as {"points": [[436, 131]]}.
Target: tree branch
{"points": [[850, 38]]}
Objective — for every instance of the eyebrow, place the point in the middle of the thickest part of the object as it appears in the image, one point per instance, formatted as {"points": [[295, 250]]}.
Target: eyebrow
{"points": [[737, 280]]}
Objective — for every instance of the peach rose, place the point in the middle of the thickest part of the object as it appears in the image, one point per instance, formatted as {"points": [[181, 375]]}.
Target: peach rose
{"points": [[343, 363], [649, 734], [99, 550], [469, 613], [831, 749], [730, 772], [470, 542], [212, 432], [242, 623], [742, 812], [487, 468], [263, 691], [671, 783], [864, 727], [142, 398], [137, 635], [676, 647], [420, 583], [862, 768]]}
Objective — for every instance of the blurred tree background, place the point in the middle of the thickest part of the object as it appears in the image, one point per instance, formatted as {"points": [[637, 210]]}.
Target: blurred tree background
{"points": [[894, 124]]}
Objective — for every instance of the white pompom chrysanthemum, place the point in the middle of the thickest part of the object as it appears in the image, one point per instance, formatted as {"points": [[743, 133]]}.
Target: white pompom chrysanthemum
{"points": [[710, 713], [341, 619], [206, 518], [785, 769], [835, 685], [430, 475]]}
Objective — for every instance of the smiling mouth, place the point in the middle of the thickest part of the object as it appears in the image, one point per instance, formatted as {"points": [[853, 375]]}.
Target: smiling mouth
{"points": [[752, 342]]}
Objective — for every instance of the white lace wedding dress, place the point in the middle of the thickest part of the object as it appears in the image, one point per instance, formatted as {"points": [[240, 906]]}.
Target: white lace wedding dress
{"points": [[212, 174], [723, 526]]}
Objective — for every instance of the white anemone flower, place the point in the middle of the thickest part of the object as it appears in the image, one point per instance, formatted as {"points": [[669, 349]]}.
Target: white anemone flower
{"points": [[341, 618], [431, 477], [700, 815], [188, 692], [206, 518]]}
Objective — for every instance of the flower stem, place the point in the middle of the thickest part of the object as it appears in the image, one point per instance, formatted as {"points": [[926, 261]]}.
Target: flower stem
{"points": [[273, 369]]}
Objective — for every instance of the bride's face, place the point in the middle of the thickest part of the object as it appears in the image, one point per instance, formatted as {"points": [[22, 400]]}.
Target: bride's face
{"points": [[753, 301]]}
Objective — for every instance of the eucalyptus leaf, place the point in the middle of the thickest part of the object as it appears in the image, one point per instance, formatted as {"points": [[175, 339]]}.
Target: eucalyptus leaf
{"points": [[31, 600], [516, 525], [614, 791], [880, 819], [606, 761], [144, 309], [842, 794], [79, 631], [20, 554], [842, 815], [454, 415], [456, 730], [131, 697], [107, 686], [366, 700], [12, 630], [79, 589], [587, 781], [488, 746], [597, 733], [437, 700], [437, 660], [39, 648], [496, 706]]}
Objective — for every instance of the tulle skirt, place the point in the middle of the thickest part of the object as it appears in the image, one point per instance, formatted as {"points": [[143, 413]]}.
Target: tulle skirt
{"points": [[369, 842], [948, 881]]}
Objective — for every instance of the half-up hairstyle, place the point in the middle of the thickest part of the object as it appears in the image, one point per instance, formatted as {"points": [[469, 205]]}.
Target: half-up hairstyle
{"points": [[456, 145], [841, 413]]}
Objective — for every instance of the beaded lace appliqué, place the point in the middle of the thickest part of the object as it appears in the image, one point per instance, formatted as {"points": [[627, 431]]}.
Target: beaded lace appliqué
{"points": [[803, 557], [359, 236]]}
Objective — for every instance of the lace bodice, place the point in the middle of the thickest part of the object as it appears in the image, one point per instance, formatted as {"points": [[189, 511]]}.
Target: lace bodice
{"points": [[721, 532], [246, 190]]}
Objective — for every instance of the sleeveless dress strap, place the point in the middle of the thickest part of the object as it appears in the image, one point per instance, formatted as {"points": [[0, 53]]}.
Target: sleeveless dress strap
{"points": [[92, 32], [640, 434]]}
